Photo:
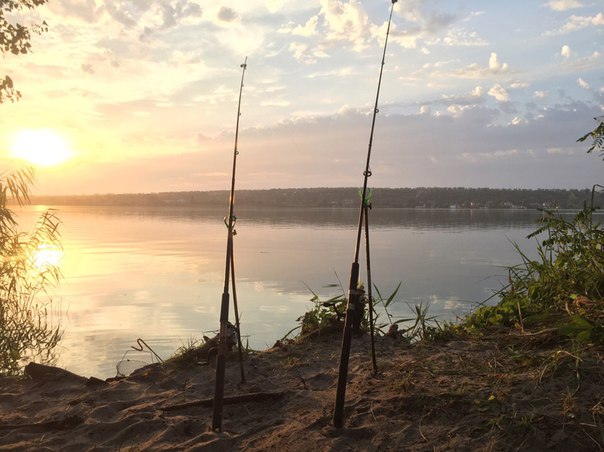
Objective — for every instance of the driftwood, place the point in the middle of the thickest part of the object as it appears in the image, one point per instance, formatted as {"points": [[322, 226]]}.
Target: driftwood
{"points": [[244, 398]]}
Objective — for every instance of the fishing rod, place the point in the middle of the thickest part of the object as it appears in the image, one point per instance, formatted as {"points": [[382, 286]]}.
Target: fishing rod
{"points": [[354, 308], [223, 334]]}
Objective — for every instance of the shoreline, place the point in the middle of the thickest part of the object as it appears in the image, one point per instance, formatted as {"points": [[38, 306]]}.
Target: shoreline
{"points": [[504, 391]]}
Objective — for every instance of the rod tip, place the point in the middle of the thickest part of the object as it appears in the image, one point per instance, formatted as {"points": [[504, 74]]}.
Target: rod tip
{"points": [[394, 1]]}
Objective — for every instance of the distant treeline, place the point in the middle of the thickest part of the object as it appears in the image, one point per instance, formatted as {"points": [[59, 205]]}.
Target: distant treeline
{"points": [[345, 197]]}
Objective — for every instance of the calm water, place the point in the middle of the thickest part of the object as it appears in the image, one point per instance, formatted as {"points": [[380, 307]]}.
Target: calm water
{"points": [[157, 274]]}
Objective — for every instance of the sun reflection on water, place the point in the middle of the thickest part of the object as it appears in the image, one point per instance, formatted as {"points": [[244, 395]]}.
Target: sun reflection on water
{"points": [[47, 256]]}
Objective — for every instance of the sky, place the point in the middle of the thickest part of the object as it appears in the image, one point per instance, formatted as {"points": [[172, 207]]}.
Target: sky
{"points": [[141, 95]]}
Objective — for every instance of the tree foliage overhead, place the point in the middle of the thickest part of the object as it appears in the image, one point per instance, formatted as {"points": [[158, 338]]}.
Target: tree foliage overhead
{"points": [[597, 137], [15, 38]]}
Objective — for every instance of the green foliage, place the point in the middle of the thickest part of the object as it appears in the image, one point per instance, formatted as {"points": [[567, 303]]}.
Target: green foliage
{"points": [[26, 330], [563, 287], [330, 313], [597, 137], [15, 38], [423, 327], [322, 315], [185, 354], [277, 198]]}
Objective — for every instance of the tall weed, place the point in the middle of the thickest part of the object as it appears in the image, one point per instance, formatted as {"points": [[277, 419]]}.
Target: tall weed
{"points": [[563, 286]]}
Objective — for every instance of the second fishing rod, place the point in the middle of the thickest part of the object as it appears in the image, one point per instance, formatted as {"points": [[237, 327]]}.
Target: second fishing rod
{"points": [[354, 306], [223, 335]]}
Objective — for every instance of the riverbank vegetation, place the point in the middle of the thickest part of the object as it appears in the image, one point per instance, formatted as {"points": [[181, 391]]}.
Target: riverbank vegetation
{"points": [[27, 328], [346, 197]]}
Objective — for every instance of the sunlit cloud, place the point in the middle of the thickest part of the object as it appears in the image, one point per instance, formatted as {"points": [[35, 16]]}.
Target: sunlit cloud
{"points": [[308, 29], [478, 91], [305, 53], [499, 93], [345, 21], [564, 5], [587, 63], [576, 23], [565, 52], [495, 65], [274, 5], [582, 83], [519, 84], [464, 38]]}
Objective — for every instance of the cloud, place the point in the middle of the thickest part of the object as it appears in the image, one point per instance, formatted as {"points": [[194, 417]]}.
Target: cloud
{"points": [[463, 38], [274, 5], [329, 150], [565, 52], [540, 94], [481, 156], [587, 63], [227, 14], [423, 28], [561, 151], [308, 29], [276, 102], [519, 84], [499, 93], [306, 53], [582, 83], [346, 21], [576, 23], [86, 10], [471, 71], [564, 5], [478, 91], [496, 66], [339, 72]]}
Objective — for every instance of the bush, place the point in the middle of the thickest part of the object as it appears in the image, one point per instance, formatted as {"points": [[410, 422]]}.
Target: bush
{"points": [[563, 287], [26, 330]]}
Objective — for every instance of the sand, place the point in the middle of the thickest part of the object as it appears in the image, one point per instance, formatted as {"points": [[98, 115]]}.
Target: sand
{"points": [[502, 392]]}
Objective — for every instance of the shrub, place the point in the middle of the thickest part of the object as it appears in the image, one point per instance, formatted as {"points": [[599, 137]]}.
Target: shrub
{"points": [[562, 287], [26, 329]]}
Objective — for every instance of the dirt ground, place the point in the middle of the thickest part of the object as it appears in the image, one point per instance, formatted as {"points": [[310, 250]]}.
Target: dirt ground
{"points": [[505, 391]]}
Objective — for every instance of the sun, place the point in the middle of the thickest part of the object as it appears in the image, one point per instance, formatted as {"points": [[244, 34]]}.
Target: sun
{"points": [[41, 147]]}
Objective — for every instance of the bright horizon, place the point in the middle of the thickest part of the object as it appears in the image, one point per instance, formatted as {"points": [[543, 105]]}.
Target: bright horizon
{"points": [[120, 97]]}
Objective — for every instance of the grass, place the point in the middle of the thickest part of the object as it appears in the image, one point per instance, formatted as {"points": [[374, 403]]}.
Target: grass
{"points": [[562, 289]]}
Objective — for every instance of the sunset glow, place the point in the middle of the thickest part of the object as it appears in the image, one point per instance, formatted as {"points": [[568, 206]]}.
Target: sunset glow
{"points": [[47, 256], [474, 93], [41, 147]]}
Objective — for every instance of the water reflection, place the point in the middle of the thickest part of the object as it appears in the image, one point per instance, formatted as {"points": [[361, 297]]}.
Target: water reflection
{"points": [[446, 219], [47, 256], [157, 273]]}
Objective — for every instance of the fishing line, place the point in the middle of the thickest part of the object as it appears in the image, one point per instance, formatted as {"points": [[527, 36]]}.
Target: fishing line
{"points": [[223, 334], [367, 207], [236, 309], [354, 305]]}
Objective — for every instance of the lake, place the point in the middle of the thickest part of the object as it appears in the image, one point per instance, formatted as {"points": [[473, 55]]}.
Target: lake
{"points": [[158, 274]]}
